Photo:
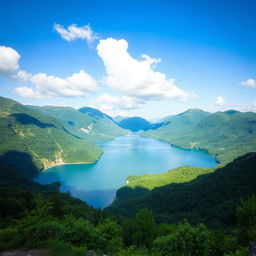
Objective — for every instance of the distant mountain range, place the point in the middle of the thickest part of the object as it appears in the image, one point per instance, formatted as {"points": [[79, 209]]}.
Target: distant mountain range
{"points": [[226, 135], [135, 124]]}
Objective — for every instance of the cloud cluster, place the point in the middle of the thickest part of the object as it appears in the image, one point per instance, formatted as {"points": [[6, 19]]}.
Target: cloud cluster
{"points": [[116, 105], [44, 86], [74, 32], [122, 102], [136, 78], [51, 86], [249, 83], [9, 61], [220, 101]]}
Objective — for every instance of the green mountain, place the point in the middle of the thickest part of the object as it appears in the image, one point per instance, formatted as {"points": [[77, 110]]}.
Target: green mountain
{"points": [[209, 198], [86, 123], [135, 124], [226, 135], [29, 136]]}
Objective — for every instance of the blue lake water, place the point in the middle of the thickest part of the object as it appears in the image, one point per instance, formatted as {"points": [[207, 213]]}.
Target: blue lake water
{"points": [[126, 155]]}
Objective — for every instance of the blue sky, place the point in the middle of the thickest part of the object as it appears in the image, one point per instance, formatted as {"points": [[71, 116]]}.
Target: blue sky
{"points": [[207, 51]]}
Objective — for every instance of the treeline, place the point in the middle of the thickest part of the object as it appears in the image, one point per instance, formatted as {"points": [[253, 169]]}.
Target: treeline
{"points": [[66, 227], [210, 198], [225, 135], [42, 137]]}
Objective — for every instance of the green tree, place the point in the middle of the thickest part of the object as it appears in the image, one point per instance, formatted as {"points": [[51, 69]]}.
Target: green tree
{"points": [[110, 236], [186, 240], [144, 228], [246, 217]]}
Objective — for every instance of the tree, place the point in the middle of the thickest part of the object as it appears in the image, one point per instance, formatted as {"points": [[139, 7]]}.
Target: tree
{"points": [[185, 240], [144, 228], [246, 217]]}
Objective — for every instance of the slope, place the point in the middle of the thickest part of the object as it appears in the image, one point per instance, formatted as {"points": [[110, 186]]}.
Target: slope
{"points": [[226, 135], [28, 133], [210, 198], [135, 124], [92, 125]]}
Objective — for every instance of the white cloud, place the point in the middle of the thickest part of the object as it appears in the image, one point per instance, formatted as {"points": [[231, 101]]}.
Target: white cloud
{"points": [[220, 101], [116, 105], [9, 61], [41, 84], [133, 77], [239, 107], [74, 32], [51, 86], [114, 102], [249, 83]]}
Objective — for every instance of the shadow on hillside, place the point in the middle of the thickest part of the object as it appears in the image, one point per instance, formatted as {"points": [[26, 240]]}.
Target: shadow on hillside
{"points": [[20, 161], [27, 119], [210, 198]]}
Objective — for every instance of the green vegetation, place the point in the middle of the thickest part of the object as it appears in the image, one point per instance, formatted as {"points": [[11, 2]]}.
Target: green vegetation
{"points": [[177, 175], [135, 123], [41, 217], [86, 123], [42, 139], [210, 198], [186, 211], [226, 135]]}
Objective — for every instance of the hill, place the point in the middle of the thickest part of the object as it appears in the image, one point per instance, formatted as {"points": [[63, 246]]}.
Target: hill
{"points": [[86, 123], [226, 135], [135, 124], [209, 198], [40, 137]]}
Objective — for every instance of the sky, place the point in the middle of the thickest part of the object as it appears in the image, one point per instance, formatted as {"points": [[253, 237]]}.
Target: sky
{"points": [[149, 58]]}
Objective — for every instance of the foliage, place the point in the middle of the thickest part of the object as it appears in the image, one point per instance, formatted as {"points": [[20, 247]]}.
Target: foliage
{"points": [[177, 175], [210, 198], [246, 217], [226, 135], [185, 240], [30, 140], [86, 123], [144, 228]]}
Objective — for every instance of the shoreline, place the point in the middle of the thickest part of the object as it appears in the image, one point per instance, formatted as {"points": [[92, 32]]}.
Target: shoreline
{"points": [[58, 164], [186, 148]]}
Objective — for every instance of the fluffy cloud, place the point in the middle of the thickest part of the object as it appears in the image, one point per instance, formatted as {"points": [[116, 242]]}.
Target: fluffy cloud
{"points": [[122, 102], [249, 83], [220, 101], [51, 86], [136, 78], [43, 85], [9, 61], [114, 105], [74, 32]]}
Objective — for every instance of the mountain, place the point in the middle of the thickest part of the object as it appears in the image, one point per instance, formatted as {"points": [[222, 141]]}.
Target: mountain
{"points": [[210, 198], [135, 124], [86, 123], [31, 140], [226, 135]]}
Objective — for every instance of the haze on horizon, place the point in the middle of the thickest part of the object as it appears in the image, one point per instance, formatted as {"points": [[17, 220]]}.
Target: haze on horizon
{"points": [[130, 58]]}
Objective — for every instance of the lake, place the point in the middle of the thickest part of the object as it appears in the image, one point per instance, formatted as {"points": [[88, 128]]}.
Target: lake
{"points": [[126, 155]]}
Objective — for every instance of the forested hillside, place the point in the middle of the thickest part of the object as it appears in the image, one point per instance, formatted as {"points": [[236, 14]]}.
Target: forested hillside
{"points": [[210, 198], [31, 141], [135, 123], [226, 135], [86, 123]]}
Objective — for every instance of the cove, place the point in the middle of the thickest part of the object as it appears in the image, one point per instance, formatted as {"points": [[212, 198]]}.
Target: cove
{"points": [[126, 155]]}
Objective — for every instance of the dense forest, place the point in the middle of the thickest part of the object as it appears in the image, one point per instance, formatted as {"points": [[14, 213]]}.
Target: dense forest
{"points": [[185, 211], [37, 216], [225, 135]]}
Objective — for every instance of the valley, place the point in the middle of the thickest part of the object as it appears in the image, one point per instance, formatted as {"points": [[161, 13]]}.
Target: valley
{"points": [[88, 155]]}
